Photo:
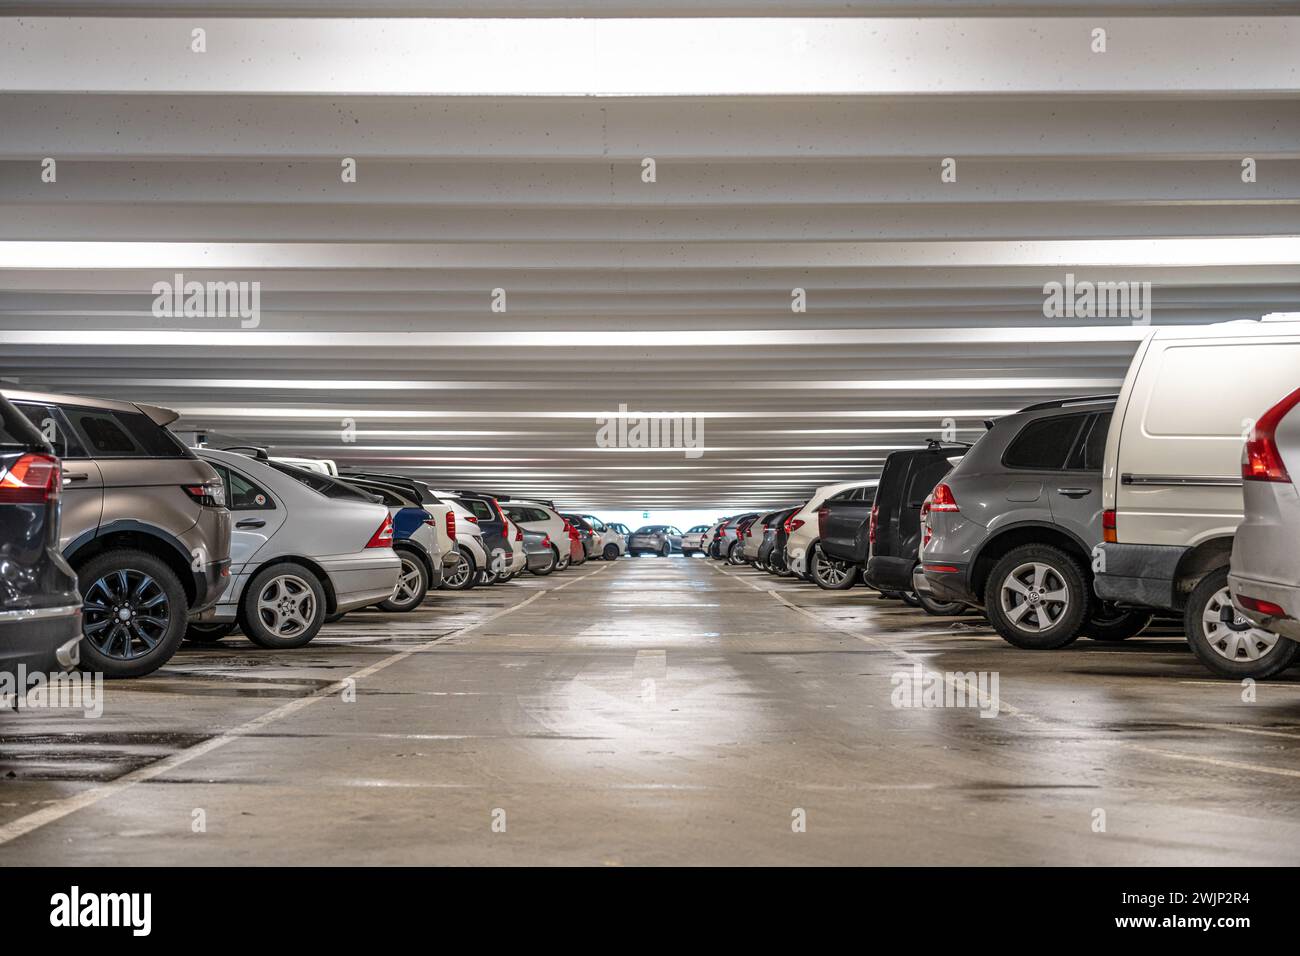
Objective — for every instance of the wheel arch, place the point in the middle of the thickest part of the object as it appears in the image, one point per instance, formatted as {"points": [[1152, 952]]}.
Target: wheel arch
{"points": [[1023, 533], [136, 536], [331, 602]]}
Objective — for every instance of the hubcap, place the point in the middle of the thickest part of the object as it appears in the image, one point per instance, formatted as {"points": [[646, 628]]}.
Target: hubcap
{"points": [[1034, 596], [125, 614], [408, 583], [830, 571], [287, 606], [1239, 640]]}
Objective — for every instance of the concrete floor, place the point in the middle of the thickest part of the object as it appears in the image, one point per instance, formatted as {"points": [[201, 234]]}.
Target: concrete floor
{"points": [[658, 711]]}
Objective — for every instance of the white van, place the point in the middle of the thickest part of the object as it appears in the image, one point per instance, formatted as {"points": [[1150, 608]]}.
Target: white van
{"points": [[1171, 481]]}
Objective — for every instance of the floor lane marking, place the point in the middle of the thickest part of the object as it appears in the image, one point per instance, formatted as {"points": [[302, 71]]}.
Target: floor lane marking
{"points": [[1031, 718], [62, 808]]}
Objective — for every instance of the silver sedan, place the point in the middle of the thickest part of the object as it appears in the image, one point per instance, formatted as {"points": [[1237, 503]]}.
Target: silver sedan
{"points": [[660, 539]]}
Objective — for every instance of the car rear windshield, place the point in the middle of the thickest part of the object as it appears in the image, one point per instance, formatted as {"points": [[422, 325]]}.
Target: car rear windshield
{"points": [[108, 433], [324, 484], [478, 508]]}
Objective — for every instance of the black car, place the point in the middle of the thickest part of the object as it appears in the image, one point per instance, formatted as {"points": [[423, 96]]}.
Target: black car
{"points": [[492, 522], [771, 551], [895, 529], [40, 609]]}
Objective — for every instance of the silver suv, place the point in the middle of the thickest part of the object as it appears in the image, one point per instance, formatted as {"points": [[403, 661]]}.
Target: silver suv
{"points": [[1013, 526], [144, 525]]}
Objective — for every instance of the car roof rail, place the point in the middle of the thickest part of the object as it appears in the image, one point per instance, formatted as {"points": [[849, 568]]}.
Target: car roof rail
{"points": [[1067, 402], [258, 452]]}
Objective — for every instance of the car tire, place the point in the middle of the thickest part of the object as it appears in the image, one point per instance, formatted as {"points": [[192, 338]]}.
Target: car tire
{"points": [[1110, 624], [412, 585], [939, 608], [666, 551], [120, 649], [463, 574], [209, 633], [910, 598], [1238, 650], [283, 607], [829, 574], [1037, 570], [552, 565], [611, 552]]}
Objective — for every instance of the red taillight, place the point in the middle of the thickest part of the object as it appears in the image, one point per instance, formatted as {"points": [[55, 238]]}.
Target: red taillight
{"points": [[546, 541], [871, 526], [1109, 526], [1266, 608], [1261, 460], [519, 533], [209, 495], [941, 499], [926, 532], [471, 518], [451, 524], [793, 525], [32, 480], [383, 536]]}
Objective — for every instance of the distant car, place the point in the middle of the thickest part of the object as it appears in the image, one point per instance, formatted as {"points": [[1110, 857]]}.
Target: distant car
{"points": [[804, 527], [622, 529], [485, 513], [577, 550], [540, 553], [440, 522], [660, 539], [728, 535], [612, 543], [753, 541], [591, 543], [772, 546], [539, 517], [304, 546], [143, 522], [415, 539], [693, 540], [1265, 574], [40, 609]]}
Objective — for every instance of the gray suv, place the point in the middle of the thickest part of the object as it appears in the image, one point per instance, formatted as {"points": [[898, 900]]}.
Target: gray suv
{"points": [[144, 525], [1013, 526]]}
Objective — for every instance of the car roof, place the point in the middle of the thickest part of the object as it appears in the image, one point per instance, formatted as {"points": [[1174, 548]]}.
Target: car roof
{"points": [[156, 413]]}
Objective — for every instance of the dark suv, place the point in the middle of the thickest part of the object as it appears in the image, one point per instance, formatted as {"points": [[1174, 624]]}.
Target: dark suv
{"points": [[1013, 527], [144, 525], [894, 528], [40, 609]]}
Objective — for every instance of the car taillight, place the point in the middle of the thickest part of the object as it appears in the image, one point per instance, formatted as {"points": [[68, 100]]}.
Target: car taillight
{"points": [[383, 536], [926, 532], [33, 479], [1259, 606], [1261, 460], [451, 525], [471, 518], [871, 526], [941, 499], [519, 533], [546, 541], [210, 494], [1109, 526], [793, 525]]}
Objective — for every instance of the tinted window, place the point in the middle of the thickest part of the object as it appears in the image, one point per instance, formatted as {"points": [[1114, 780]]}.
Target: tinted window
{"points": [[1044, 444], [113, 434], [241, 493], [15, 429], [478, 508], [323, 484], [1091, 449], [49, 421]]}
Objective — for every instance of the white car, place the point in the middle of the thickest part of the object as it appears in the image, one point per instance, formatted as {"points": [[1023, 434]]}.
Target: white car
{"points": [[613, 543], [801, 545], [537, 516], [1172, 480], [694, 540], [471, 557]]}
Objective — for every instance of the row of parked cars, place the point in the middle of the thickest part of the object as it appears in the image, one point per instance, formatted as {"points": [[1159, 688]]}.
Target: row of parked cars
{"points": [[1177, 497], [118, 541]]}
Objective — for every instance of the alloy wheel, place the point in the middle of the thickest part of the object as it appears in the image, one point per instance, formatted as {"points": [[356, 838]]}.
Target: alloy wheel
{"points": [[286, 605], [408, 582], [125, 614], [1034, 596]]}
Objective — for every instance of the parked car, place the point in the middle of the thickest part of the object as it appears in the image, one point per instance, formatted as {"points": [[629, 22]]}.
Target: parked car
{"points": [[143, 523], [771, 532], [536, 516], [713, 536], [612, 543], [304, 546], [620, 529], [415, 539], [591, 543], [577, 550], [694, 540], [1265, 573], [801, 545], [894, 529], [729, 535], [660, 539], [777, 562], [324, 466], [484, 513], [1173, 493], [752, 540], [1013, 526], [441, 521], [40, 609], [843, 535], [540, 555]]}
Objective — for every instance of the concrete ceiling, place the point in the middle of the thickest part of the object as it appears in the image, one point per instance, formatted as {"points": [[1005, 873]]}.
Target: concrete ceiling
{"points": [[508, 154]]}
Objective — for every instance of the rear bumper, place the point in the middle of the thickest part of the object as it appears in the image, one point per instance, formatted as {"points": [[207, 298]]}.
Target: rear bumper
{"points": [[890, 574], [362, 580], [1139, 575], [1286, 596], [43, 640], [209, 584], [948, 582]]}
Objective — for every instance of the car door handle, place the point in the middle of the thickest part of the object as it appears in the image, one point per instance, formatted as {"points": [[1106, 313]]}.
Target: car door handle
{"points": [[251, 523], [1074, 492], [70, 477]]}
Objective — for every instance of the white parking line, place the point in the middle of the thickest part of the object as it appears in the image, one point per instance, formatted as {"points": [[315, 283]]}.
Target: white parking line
{"points": [[62, 808]]}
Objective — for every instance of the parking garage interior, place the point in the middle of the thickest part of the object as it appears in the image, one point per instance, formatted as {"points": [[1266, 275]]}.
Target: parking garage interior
{"points": [[452, 244]]}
